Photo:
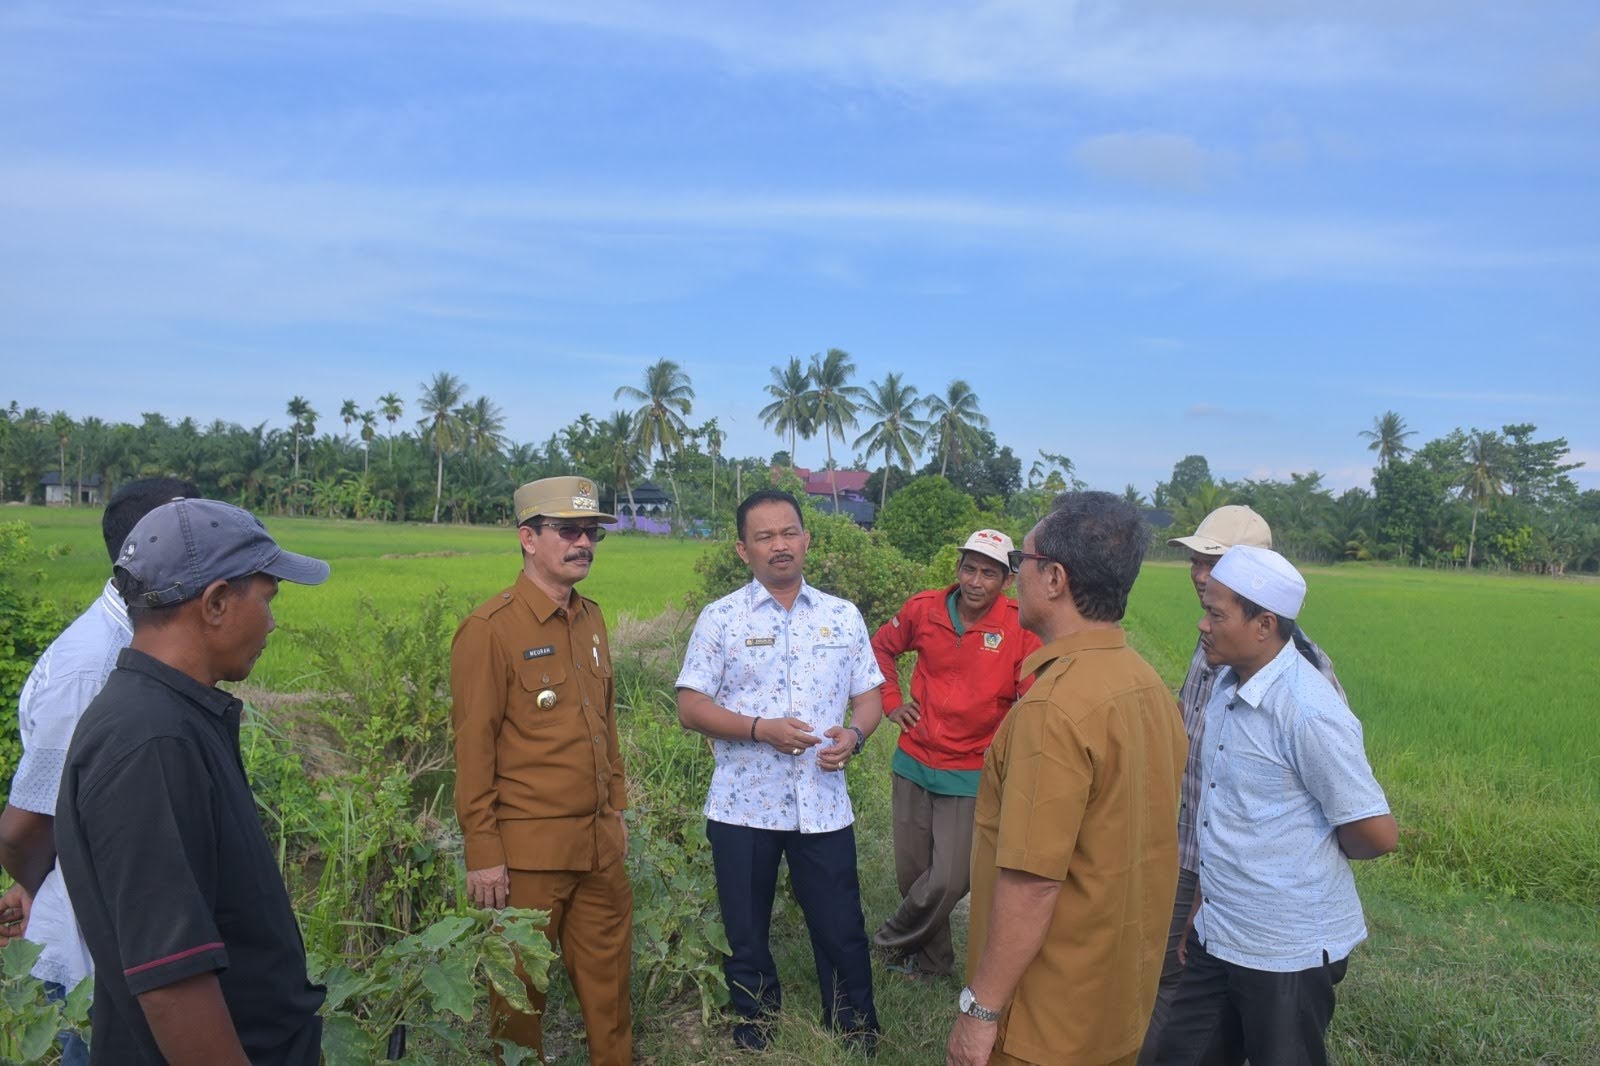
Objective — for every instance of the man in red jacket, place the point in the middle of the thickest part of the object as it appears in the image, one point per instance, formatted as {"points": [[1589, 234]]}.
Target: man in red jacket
{"points": [[969, 648]]}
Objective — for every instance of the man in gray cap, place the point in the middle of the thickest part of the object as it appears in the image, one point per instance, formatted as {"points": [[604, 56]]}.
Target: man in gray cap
{"points": [[540, 788], [196, 952], [1289, 800], [1218, 531]]}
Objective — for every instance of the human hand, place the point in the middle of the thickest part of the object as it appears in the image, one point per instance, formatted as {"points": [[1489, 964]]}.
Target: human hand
{"points": [[906, 716], [489, 888], [971, 1041], [838, 754], [15, 906], [791, 736]]}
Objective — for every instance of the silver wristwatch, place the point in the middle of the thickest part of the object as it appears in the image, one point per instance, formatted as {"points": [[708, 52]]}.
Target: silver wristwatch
{"points": [[968, 1003]]}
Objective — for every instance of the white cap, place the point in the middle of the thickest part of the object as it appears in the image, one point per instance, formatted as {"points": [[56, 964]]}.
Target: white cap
{"points": [[992, 543], [1263, 577]]}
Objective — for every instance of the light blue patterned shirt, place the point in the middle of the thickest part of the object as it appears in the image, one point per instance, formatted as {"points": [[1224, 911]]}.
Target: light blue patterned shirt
{"points": [[1282, 767], [70, 673], [753, 657]]}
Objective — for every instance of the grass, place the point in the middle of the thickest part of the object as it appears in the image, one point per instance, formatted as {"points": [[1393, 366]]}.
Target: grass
{"points": [[1476, 693]]}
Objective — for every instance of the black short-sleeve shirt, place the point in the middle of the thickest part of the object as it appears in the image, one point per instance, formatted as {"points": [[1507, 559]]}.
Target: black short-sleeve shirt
{"points": [[169, 870]]}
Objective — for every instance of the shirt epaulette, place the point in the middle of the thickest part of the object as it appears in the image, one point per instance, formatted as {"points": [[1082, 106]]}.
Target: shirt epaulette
{"points": [[486, 609]]}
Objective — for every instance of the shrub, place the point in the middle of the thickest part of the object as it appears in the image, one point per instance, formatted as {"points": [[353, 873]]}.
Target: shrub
{"points": [[925, 516], [28, 623], [28, 1021]]}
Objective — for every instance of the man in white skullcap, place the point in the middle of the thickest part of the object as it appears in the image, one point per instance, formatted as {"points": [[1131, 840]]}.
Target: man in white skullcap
{"points": [[1218, 531], [1288, 799]]}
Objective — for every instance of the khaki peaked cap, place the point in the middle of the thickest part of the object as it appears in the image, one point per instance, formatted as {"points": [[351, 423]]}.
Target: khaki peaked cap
{"points": [[559, 497]]}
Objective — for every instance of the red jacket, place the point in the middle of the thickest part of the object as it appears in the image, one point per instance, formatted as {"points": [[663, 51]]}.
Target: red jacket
{"points": [[962, 685]]}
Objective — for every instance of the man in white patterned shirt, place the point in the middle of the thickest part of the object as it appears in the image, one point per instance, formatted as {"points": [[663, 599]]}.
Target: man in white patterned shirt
{"points": [[769, 672], [70, 673], [1217, 532]]}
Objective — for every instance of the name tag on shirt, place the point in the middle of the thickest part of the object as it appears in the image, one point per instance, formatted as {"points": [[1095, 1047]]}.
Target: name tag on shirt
{"points": [[539, 653], [760, 642]]}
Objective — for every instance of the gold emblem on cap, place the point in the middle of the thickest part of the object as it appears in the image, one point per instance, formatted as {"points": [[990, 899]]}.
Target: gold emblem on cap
{"points": [[546, 699]]}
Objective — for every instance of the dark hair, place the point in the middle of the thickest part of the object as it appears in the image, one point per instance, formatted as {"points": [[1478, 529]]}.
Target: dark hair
{"points": [[761, 496], [1286, 627], [135, 499], [1101, 540], [143, 616]]}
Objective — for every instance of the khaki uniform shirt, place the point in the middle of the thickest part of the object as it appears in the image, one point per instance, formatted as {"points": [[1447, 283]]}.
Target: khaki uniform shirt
{"points": [[537, 787], [1081, 786]]}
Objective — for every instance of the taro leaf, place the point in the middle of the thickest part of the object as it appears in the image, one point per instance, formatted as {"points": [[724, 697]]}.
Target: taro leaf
{"points": [[444, 932], [342, 984], [717, 936], [514, 1055], [17, 958], [450, 981], [344, 1044], [37, 1036], [499, 964]]}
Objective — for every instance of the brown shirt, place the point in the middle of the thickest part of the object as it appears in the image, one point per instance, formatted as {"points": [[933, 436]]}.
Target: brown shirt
{"points": [[537, 787], [1081, 786]]}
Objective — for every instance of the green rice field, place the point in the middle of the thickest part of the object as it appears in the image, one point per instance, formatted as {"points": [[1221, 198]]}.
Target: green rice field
{"points": [[1478, 698]]}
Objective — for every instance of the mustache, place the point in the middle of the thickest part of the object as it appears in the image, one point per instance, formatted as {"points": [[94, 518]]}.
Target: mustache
{"points": [[579, 553]]}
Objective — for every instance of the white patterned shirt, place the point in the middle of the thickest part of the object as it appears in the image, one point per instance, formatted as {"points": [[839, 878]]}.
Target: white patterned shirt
{"points": [[1283, 767], [70, 673], [754, 657]]}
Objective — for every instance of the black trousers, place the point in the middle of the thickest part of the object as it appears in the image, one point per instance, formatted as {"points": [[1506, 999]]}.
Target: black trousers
{"points": [[1270, 1018], [822, 868]]}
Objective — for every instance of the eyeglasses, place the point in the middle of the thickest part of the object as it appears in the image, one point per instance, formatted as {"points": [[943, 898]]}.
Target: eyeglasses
{"points": [[1014, 558], [573, 533]]}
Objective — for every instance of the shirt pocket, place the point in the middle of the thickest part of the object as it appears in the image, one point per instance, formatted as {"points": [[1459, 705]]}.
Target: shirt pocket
{"points": [[546, 694]]}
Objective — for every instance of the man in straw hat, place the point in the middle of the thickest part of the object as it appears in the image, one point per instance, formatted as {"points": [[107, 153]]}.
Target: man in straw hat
{"points": [[969, 647], [197, 957], [1218, 531], [539, 782], [1288, 800]]}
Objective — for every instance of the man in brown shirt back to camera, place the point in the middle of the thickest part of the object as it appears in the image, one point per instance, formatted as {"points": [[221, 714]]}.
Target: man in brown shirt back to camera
{"points": [[1075, 848], [539, 783]]}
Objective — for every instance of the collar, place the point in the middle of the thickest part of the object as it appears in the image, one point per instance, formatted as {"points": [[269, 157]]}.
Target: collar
{"points": [[539, 601], [1255, 690], [760, 595], [111, 603], [206, 697], [1086, 640]]}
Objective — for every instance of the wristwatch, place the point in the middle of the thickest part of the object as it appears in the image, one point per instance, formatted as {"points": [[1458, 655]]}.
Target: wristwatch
{"points": [[968, 1003], [861, 738]]}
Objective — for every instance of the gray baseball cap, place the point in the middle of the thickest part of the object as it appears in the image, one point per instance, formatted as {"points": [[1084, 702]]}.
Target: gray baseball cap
{"points": [[181, 547]]}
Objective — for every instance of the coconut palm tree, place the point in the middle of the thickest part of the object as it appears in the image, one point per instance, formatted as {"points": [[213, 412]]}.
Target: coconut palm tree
{"points": [[1484, 478], [790, 410], [832, 400], [61, 426], [369, 432], [483, 427], [442, 427], [1387, 437], [898, 432], [299, 411], [392, 407], [620, 448], [956, 421], [349, 412], [667, 397], [714, 438]]}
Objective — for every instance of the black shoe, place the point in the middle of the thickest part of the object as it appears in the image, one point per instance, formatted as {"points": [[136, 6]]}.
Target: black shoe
{"points": [[750, 1036], [863, 1040]]}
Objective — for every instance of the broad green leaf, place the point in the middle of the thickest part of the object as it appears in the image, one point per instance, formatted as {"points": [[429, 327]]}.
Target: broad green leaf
{"points": [[497, 962], [445, 932], [344, 1044], [450, 981], [17, 958], [36, 1038], [77, 1002], [342, 984]]}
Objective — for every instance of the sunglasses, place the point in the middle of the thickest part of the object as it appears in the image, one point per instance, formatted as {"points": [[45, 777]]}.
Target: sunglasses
{"points": [[1014, 559], [573, 533]]}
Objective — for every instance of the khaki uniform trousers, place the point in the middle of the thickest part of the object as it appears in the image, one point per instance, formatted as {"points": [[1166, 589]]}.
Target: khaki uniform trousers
{"points": [[933, 866], [591, 925]]}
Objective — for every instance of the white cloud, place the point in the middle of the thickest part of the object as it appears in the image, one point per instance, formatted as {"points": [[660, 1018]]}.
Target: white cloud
{"points": [[1150, 157]]}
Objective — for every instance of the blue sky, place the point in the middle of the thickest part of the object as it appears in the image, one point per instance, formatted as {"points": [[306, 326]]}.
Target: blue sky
{"points": [[1235, 227]]}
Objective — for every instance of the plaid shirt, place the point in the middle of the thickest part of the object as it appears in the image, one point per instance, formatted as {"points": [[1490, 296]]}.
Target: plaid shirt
{"points": [[1192, 698]]}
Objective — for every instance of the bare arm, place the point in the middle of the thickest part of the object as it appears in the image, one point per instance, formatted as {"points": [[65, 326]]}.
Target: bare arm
{"points": [[1369, 837], [1019, 920], [27, 846], [191, 1024]]}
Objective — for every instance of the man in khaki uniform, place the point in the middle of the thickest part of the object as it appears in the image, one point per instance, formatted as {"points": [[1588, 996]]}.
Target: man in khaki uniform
{"points": [[539, 781], [1075, 843]]}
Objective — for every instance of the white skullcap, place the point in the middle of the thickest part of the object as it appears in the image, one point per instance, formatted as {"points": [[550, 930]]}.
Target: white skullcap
{"points": [[1263, 577]]}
